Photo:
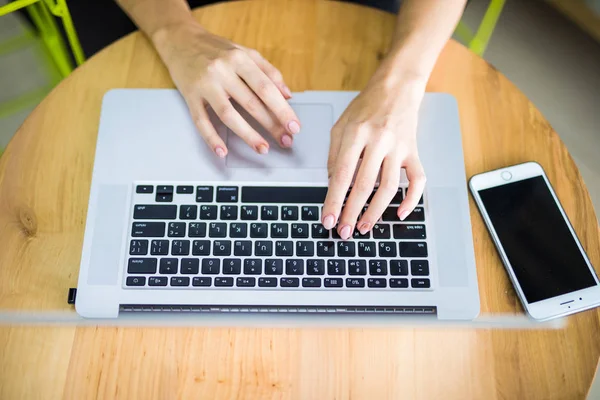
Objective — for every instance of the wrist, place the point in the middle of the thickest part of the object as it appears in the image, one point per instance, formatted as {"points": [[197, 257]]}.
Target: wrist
{"points": [[168, 36]]}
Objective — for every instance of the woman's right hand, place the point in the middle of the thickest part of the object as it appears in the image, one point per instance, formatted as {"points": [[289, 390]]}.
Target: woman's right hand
{"points": [[211, 71]]}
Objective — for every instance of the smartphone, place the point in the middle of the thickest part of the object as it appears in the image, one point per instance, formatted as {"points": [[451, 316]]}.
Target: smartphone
{"points": [[537, 244]]}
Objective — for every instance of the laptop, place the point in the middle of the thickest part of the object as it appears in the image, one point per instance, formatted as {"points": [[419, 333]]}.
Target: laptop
{"points": [[170, 227]]}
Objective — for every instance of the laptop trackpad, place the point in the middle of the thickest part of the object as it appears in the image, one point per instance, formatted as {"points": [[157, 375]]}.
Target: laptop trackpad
{"points": [[310, 149]]}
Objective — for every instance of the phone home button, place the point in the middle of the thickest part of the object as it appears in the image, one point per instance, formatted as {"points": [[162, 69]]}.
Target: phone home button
{"points": [[507, 176]]}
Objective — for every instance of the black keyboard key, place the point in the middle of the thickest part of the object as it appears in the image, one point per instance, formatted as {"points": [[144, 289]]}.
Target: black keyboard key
{"points": [[168, 266], [144, 189], [138, 247], [180, 247], [263, 248], [249, 213], [197, 229], [204, 194], [377, 282], [418, 215], [357, 267], [201, 248], [366, 249], [267, 282], [413, 249], [346, 249], [315, 267], [242, 248], [299, 231], [311, 282], [335, 234], [158, 281], [136, 281], [283, 194], [227, 194], [229, 213], [269, 213], [398, 283], [420, 283], [305, 248], [421, 200], [419, 267], [397, 197], [164, 189], [224, 282], [163, 198], [289, 213], [387, 249], [355, 282], [148, 229], [319, 232], [190, 266], [284, 248], [245, 282], [232, 266], [185, 189], [325, 249], [381, 231], [310, 213], [377, 267], [208, 212], [201, 281], [252, 266], [217, 230], [336, 267], [334, 282], [405, 231], [390, 214], [259, 230], [357, 235], [141, 266], [294, 267], [238, 230], [274, 266], [188, 212], [289, 282], [154, 211], [279, 231], [222, 248], [211, 266], [399, 267], [159, 247], [180, 281], [176, 229]]}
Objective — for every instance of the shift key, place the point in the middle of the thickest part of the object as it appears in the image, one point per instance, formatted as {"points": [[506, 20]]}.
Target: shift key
{"points": [[148, 229], [154, 211]]}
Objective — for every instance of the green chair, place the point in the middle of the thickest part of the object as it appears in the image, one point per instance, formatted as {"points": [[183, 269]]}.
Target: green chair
{"points": [[478, 41]]}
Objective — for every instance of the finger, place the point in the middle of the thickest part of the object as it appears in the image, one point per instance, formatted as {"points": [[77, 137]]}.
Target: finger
{"points": [[206, 128], [416, 185], [220, 103], [266, 90], [362, 189], [388, 187], [273, 73], [334, 146], [340, 182], [241, 93]]}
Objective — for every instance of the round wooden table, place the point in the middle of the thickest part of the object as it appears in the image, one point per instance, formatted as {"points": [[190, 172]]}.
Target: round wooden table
{"points": [[44, 187]]}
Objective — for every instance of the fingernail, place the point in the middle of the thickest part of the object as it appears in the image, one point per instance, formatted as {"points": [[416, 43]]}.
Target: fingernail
{"points": [[287, 141], [262, 149], [364, 228], [345, 232], [287, 91], [220, 152], [403, 215], [328, 222], [294, 127]]}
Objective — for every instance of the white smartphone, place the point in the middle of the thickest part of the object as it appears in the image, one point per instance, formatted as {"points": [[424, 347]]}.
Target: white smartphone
{"points": [[537, 244]]}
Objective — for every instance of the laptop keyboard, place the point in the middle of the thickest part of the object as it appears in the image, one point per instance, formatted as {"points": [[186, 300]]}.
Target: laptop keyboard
{"points": [[207, 236]]}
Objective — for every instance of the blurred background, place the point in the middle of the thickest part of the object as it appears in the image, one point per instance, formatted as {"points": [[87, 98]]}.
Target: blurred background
{"points": [[549, 48]]}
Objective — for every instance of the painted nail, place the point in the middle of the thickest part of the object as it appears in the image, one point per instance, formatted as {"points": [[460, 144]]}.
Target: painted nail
{"points": [[403, 215], [220, 152], [287, 91], [294, 127], [262, 149], [286, 141], [345, 232], [364, 228], [328, 222]]}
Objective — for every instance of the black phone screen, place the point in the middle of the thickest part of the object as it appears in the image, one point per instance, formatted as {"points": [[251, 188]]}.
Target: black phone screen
{"points": [[536, 239]]}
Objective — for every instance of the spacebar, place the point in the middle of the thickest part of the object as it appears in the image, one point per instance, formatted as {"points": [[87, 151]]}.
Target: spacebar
{"points": [[289, 194]]}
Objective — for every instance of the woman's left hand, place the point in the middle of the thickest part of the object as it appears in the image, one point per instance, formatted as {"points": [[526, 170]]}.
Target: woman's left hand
{"points": [[379, 126]]}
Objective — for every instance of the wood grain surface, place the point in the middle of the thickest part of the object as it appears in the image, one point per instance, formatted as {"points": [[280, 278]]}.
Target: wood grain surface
{"points": [[319, 45]]}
